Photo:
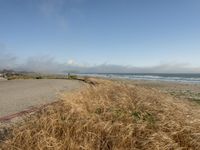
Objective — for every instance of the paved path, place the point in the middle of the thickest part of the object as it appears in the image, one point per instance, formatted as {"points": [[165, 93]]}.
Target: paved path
{"points": [[17, 95]]}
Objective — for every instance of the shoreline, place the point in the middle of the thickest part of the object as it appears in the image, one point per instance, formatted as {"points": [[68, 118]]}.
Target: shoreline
{"points": [[185, 78]]}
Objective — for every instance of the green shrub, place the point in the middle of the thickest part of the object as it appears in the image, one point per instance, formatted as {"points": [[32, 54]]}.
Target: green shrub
{"points": [[72, 77], [38, 77]]}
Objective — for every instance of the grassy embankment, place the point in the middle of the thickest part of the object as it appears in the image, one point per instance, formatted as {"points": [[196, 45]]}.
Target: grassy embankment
{"points": [[110, 115]]}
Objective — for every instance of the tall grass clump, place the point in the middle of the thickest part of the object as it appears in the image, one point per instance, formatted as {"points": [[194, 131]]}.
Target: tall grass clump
{"points": [[110, 116]]}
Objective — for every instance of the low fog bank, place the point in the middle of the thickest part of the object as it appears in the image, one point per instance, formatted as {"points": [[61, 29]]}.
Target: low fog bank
{"points": [[46, 64]]}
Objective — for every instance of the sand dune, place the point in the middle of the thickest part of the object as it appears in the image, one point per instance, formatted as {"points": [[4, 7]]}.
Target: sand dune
{"points": [[110, 116]]}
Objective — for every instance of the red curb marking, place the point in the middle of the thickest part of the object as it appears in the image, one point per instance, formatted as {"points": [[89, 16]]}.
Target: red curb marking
{"points": [[21, 113]]}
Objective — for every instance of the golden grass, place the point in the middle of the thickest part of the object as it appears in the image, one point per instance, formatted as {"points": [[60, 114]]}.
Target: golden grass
{"points": [[110, 116]]}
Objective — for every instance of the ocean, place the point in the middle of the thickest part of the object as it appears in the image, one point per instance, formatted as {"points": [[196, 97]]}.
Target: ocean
{"points": [[185, 78]]}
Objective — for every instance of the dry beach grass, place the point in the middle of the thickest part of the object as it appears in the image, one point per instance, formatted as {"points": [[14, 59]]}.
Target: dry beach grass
{"points": [[110, 115]]}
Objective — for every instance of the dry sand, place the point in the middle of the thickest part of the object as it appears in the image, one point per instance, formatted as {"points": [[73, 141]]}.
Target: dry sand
{"points": [[17, 95]]}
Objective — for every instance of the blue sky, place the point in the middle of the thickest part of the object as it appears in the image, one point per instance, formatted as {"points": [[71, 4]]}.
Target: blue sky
{"points": [[139, 33]]}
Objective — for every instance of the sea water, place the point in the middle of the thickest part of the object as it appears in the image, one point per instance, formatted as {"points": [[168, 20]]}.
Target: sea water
{"points": [[186, 78]]}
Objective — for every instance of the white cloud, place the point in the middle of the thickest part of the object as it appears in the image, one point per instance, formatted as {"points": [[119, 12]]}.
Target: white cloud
{"points": [[75, 64], [71, 62], [47, 64], [7, 61]]}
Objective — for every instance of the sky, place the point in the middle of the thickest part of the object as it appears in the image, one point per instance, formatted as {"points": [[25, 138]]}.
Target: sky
{"points": [[100, 35]]}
